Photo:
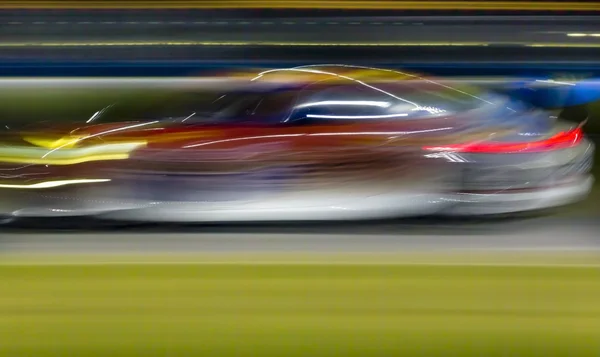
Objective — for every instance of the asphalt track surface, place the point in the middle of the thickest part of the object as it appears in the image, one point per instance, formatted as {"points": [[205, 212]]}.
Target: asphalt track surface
{"points": [[546, 234]]}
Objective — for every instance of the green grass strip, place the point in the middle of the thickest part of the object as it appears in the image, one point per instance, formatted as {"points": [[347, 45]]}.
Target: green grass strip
{"points": [[319, 306]]}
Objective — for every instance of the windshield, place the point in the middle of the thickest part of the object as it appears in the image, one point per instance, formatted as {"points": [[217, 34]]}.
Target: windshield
{"points": [[175, 107], [256, 107], [444, 96], [233, 105]]}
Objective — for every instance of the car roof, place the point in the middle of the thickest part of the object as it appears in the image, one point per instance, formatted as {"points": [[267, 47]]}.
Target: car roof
{"points": [[401, 85]]}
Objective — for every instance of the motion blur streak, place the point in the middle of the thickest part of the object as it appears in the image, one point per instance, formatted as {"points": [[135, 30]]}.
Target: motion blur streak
{"points": [[263, 151], [287, 44], [243, 44], [50, 184], [63, 154], [62, 161], [561, 140], [305, 4]]}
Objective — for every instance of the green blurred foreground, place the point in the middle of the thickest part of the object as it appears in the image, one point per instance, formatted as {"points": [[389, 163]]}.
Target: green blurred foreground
{"points": [[273, 309]]}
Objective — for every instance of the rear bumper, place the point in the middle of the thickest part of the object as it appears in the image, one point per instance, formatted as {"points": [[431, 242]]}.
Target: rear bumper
{"points": [[501, 202]]}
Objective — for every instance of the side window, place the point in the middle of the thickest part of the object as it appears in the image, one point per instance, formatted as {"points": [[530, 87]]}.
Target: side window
{"points": [[180, 107], [240, 108], [279, 104], [167, 107], [270, 107], [340, 103], [229, 107]]}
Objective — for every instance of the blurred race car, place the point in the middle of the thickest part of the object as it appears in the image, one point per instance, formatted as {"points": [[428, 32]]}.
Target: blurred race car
{"points": [[323, 142]]}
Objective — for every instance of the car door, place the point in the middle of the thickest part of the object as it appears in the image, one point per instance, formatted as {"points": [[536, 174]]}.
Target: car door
{"points": [[351, 135]]}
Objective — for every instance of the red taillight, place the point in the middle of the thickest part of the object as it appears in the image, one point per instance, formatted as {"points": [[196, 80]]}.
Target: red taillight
{"points": [[561, 140]]}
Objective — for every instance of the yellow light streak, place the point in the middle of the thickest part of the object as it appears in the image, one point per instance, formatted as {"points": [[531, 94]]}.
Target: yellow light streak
{"points": [[52, 184]]}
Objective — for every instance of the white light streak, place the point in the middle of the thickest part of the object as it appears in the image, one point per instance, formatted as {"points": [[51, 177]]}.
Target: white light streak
{"points": [[384, 132], [51, 184], [318, 116], [346, 102], [552, 81], [91, 119], [244, 138]]}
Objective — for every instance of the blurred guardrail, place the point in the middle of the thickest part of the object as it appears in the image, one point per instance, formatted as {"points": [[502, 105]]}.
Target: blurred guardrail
{"points": [[306, 4], [120, 83]]}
